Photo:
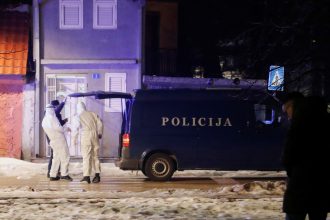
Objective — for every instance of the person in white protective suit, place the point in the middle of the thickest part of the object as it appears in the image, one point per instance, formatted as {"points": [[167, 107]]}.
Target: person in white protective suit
{"points": [[90, 127], [55, 133]]}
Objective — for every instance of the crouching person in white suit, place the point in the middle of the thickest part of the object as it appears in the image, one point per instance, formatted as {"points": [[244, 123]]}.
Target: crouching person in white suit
{"points": [[61, 156], [91, 128]]}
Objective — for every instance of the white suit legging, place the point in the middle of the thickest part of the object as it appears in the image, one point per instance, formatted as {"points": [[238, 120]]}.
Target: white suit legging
{"points": [[55, 132], [89, 150], [91, 127]]}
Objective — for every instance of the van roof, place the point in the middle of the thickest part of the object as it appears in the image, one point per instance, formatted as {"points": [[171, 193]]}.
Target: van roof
{"points": [[204, 94], [259, 96], [102, 95]]}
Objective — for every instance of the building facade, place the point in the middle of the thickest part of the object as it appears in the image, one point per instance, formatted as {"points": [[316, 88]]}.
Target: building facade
{"points": [[14, 35], [82, 46]]}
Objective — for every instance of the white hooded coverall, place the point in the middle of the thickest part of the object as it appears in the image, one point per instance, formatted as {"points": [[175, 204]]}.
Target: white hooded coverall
{"points": [[55, 132], [90, 126]]}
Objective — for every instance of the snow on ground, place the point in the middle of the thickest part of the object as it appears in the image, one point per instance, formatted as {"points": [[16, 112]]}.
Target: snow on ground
{"points": [[141, 208], [25, 170], [260, 200]]}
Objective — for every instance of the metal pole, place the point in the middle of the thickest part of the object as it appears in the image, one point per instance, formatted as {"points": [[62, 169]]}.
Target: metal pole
{"points": [[36, 58]]}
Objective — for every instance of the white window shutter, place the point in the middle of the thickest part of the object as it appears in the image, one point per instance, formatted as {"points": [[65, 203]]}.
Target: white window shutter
{"points": [[71, 14], [115, 82], [105, 14], [50, 88]]}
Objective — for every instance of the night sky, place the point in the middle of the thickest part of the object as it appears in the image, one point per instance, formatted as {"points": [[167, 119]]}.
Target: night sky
{"points": [[253, 33], [202, 24], [265, 32]]}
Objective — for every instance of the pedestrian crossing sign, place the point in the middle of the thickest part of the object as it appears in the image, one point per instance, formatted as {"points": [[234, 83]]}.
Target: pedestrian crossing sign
{"points": [[276, 78]]}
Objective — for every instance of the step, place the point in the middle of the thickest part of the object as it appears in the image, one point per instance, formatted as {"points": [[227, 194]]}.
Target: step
{"points": [[73, 159]]}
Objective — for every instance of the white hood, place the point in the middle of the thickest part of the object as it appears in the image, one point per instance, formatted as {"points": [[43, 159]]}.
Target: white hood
{"points": [[81, 107], [50, 121], [50, 111]]}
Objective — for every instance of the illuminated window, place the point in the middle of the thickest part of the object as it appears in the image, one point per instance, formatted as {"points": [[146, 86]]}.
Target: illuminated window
{"points": [[105, 14], [115, 82], [264, 114], [71, 14]]}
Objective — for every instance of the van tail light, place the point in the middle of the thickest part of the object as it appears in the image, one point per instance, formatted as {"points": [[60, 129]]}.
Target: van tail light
{"points": [[125, 140]]}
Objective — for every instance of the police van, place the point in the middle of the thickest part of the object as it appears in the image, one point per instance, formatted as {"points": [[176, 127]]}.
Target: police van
{"points": [[186, 129]]}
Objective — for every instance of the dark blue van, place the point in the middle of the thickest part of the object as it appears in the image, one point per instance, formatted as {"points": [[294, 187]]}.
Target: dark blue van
{"points": [[168, 130]]}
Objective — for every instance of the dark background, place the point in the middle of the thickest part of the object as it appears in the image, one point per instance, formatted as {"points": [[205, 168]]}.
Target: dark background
{"points": [[246, 36], [253, 34]]}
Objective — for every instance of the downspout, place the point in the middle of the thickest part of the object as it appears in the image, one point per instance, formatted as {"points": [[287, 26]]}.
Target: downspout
{"points": [[36, 59], [142, 44]]}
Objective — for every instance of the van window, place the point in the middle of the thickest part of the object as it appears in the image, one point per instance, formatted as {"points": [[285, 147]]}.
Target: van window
{"points": [[126, 115], [264, 114]]}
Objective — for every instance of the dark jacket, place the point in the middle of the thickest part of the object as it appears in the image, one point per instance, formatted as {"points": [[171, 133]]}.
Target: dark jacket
{"points": [[305, 159], [58, 110]]}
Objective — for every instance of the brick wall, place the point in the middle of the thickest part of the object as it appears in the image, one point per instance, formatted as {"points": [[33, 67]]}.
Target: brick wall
{"points": [[11, 97]]}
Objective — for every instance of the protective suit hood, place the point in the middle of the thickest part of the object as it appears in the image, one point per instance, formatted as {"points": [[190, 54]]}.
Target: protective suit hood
{"points": [[81, 107], [50, 111], [50, 120]]}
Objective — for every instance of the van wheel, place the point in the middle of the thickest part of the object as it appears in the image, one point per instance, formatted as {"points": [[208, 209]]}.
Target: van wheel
{"points": [[159, 167]]}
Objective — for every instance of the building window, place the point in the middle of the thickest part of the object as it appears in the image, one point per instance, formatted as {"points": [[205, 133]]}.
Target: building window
{"points": [[105, 14], [71, 14], [115, 82], [264, 114]]}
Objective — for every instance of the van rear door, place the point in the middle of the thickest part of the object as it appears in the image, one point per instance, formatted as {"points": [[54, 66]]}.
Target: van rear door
{"points": [[125, 108]]}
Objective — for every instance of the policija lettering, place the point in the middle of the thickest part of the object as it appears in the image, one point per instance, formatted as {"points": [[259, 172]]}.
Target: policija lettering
{"points": [[193, 122]]}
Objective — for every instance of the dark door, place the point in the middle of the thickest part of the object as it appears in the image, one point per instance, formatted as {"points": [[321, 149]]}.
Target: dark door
{"points": [[152, 42]]}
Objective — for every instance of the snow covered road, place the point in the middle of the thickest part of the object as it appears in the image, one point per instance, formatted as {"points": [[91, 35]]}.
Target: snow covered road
{"points": [[141, 208], [25, 199]]}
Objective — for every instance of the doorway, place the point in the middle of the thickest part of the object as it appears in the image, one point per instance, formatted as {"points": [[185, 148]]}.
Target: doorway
{"points": [[59, 86]]}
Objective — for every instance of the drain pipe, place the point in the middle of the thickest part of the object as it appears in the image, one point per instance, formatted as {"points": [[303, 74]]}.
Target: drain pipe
{"points": [[36, 59]]}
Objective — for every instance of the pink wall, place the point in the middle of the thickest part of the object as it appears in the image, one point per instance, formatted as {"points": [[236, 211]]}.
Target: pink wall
{"points": [[11, 97]]}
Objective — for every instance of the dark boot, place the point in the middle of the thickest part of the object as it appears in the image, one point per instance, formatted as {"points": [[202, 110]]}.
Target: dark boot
{"points": [[66, 178], [48, 175], [86, 179], [97, 178], [54, 178]]}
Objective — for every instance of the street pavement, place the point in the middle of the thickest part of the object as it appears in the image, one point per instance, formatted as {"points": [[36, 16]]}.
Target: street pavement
{"points": [[135, 184]]}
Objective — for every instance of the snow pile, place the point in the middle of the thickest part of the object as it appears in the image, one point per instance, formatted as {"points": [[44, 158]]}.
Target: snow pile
{"points": [[255, 188], [21, 169], [229, 174], [141, 208]]}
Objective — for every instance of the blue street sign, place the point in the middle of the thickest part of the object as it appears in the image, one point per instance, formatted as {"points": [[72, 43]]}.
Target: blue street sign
{"points": [[276, 78]]}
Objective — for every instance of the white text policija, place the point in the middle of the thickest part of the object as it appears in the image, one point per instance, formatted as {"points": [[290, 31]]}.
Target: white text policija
{"points": [[195, 121]]}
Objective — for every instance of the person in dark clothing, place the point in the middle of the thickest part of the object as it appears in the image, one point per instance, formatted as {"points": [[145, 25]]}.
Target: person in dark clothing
{"points": [[58, 108], [304, 158]]}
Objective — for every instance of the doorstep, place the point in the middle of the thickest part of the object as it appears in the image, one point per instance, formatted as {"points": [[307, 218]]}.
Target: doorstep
{"points": [[74, 159]]}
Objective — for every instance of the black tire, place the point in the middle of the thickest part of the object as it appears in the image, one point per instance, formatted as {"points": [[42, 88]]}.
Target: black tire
{"points": [[159, 167]]}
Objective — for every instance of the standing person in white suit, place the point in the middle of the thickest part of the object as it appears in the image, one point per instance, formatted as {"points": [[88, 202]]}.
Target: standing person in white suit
{"points": [[61, 156], [91, 128]]}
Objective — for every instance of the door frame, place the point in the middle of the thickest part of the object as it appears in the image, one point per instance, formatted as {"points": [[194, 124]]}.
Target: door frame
{"points": [[47, 100]]}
